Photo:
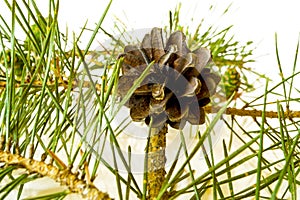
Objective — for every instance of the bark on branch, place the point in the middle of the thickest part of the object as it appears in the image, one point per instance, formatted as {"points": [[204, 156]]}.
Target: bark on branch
{"points": [[252, 113], [64, 177]]}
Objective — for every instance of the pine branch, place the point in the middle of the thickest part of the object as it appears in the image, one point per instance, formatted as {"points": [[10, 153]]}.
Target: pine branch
{"points": [[61, 83], [64, 177], [252, 113], [156, 161], [208, 109]]}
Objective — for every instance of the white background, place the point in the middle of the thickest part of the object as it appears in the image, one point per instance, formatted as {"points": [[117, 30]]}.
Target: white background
{"points": [[255, 20]]}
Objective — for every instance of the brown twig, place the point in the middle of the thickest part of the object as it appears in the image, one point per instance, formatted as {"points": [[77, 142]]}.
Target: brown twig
{"points": [[252, 113], [64, 176], [64, 84], [156, 161]]}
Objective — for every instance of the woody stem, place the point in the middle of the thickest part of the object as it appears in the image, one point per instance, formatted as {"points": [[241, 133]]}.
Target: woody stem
{"points": [[62, 176], [156, 161], [252, 113]]}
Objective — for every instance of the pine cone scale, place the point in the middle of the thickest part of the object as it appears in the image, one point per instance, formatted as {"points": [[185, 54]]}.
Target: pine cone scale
{"points": [[157, 44], [203, 58]]}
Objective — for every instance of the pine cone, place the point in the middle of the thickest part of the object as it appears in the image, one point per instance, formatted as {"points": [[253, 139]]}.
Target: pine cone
{"points": [[17, 62], [231, 81], [178, 85]]}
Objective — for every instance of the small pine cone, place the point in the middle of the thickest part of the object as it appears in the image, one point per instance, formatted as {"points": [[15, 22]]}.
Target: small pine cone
{"points": [[17, 62], [231, 81], [178, 85]]}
